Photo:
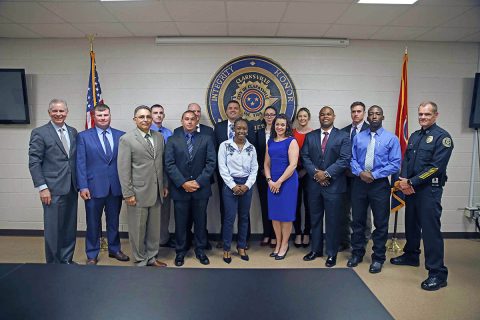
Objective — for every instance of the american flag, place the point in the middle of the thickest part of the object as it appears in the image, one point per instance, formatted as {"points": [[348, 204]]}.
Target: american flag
{"points": [[401, 131], [94, 92]]}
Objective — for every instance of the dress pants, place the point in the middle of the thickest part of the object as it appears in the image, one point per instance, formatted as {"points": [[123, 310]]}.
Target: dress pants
{"points": [[184, 209], [262, 187], [165, 220], [143, 232], [302, 190], [377, 195], [94, 209], [330, 205], [422, 218], [60, 227], [234, 204]]}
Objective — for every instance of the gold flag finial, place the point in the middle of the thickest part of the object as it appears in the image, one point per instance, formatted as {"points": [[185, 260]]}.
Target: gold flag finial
{"points": [[90, 38], [406, 50]]}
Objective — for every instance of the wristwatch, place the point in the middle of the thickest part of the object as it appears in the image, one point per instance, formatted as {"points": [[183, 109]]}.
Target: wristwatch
{"points": [[409, 182], [269, 179]]}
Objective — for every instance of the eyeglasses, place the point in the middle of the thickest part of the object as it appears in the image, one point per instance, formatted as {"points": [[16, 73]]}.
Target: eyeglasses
{"points": [[144, 117], [269, 115]]}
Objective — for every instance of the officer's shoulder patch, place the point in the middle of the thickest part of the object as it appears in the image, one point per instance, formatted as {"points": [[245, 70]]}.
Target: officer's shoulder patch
{"points": [[447, 142]]}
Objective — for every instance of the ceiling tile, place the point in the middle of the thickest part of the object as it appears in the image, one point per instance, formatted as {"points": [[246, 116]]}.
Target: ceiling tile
{"points": [[470, 19], [371, 14], [447, 34], [152, 29], [202, 28], [255, 11], [252, 29], [351, 32], [472, 38], [27, 12], [138, 11], [399, 33], [193, 11], [104, 29], [314, 12], [427, 16], [81, 12], [302, 30], [55, 30], [16, 31]]}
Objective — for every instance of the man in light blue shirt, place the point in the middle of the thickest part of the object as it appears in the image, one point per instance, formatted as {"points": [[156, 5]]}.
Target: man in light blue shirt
{"points": [[375, 156], [158, 115]]}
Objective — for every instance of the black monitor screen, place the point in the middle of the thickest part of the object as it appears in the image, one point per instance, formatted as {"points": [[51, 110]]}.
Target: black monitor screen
{"points": [[13, 97], [475, 111]]}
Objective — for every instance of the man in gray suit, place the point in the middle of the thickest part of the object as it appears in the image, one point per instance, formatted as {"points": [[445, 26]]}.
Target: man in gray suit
{"points": [[140, 169], [52, 162]]}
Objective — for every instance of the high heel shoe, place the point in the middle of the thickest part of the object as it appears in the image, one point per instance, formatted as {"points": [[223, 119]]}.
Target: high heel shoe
{"points": [[226, 257], [243, 256], [306, 244], [295, 243], [279, 257], [273, 254]]}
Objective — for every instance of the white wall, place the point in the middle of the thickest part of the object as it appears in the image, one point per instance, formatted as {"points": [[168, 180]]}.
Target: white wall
{"points": [[135, 71]]}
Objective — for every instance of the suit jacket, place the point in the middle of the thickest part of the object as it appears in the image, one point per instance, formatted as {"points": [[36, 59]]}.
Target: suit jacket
{"points": [[48, 161], [221, 133], [94, 171], [335, 159], [181, 169], [141, 172]]}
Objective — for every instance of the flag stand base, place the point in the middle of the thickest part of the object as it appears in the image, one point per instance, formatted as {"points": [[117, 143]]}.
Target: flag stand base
{"points": [[393, 245]]}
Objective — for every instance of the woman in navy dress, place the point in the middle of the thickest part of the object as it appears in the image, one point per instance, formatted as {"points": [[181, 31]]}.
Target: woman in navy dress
{"points": [[281, 159]]}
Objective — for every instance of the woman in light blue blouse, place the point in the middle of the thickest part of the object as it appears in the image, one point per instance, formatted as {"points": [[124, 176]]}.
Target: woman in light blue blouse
{"points": [[237, 163]]}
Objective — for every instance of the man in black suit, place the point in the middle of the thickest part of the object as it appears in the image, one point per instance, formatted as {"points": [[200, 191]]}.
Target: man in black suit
{"points": [[325, 155], [190, 161], [224, 131], [357, 112], [52, 162]]}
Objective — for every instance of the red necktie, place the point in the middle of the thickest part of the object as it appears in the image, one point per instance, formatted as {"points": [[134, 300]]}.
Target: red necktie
{"points": [[324, 141]]}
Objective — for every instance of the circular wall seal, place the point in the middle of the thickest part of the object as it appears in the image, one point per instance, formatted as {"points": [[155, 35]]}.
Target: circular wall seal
{"points": [[256, 82]]}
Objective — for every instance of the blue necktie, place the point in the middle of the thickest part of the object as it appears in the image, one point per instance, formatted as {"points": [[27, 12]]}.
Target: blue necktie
{"points": [[190, 145], [108, 147], [232, 133], [354, 133]]}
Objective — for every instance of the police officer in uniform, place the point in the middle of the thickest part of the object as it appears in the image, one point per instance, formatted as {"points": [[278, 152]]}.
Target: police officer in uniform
{"points": [[423, 175]]}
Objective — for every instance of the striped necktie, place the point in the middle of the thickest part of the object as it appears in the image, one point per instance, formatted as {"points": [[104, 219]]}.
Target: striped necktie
{"points": [[63, 139], [190, 144], [370, 153]]}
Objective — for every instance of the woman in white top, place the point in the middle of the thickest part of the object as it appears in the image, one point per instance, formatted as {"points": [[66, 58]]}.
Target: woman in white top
{"points": [[237, 163]]}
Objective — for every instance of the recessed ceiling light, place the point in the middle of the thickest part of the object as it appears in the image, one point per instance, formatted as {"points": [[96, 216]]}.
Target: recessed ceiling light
{"points": [[388, 1]]}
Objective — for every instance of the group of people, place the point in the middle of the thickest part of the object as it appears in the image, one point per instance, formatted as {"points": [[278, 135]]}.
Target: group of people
{"points": [[338, 175]]}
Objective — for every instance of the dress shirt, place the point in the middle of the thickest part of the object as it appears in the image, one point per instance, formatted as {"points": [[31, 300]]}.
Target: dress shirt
{"points": [[164, 131], [387, 156], [108, 135], [233, 162], [323, 134]]}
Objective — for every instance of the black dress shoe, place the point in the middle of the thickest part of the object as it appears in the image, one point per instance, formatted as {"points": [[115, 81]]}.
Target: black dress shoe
{"points": [[405, 260], [331, 261], [433, 283], [354, 261], [226, 257], [179, 260], [312, 255], [120, 256], [273, 254], [375, 267], [203, 259], [245, 256], [279, 257]]}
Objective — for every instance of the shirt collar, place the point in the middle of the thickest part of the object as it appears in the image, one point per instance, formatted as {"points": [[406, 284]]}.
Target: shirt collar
{"points": [[359, 126], [378, 132], [329, 130], [143, 133], [64, 127], [100, 131]]}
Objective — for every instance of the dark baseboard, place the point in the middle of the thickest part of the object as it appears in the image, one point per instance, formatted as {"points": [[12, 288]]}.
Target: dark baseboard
{"points": [[215, 236]]}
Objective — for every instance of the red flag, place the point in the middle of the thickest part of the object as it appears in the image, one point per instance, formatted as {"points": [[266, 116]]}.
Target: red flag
{"points": [[401, 131]]}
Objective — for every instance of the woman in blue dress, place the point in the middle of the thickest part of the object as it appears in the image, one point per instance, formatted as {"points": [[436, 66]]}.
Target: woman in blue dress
{"points": [[281, 159]]}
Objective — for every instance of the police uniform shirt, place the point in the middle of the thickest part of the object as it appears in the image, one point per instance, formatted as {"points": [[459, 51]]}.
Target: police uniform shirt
{"points": [[427, 156]]}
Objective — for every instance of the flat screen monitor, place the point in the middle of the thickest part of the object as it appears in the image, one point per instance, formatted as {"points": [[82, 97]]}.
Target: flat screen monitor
{"points": [[13, 97], [475, 110]]}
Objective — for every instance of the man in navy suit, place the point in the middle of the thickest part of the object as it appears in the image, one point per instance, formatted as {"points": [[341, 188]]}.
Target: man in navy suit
{"points": [[224, 131], [97, 178], [51, 160], [190, 161], [357, 113], [325, 155]]}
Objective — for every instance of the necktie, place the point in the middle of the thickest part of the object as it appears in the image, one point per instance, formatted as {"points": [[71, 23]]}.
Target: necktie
{"points": [[190, 145], [150, 144], [354, 133], [63, 139], [108, 147], [324, 141], [232, 133], [370, 153]]}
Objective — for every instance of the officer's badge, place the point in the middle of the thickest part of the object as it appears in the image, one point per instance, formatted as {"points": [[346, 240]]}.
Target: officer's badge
{"points": [[256, 83], [429, 139], [447, 142]]}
